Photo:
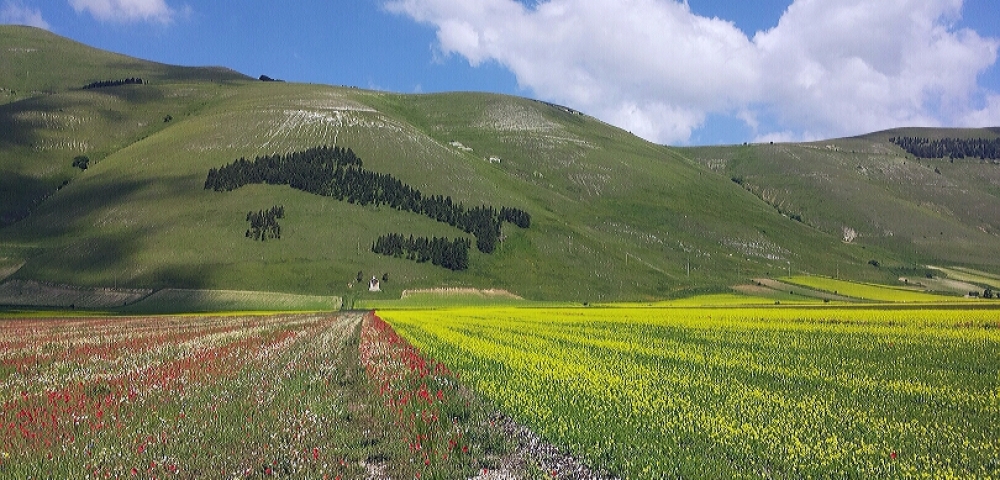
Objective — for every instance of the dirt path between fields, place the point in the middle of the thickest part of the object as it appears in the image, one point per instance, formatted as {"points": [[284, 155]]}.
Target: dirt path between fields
{"points": [[534, 454], [508, 450]]}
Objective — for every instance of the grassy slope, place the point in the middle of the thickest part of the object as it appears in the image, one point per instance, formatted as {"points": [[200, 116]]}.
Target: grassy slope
{"points": [[47, 120], [923, 210], [37, 62], [614, 217]]}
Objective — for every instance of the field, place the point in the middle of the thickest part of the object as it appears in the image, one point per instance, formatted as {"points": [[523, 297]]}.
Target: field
{"points": [[740, 352], [860, 291], [282, 396], [700, 388], [774, 392]]}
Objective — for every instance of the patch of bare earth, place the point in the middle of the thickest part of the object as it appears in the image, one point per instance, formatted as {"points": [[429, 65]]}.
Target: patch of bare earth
{"points": [[753, 289], [533, 454]]}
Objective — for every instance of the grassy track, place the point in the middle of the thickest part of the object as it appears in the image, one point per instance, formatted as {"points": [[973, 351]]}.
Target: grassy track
{"points": [[781, 392]]}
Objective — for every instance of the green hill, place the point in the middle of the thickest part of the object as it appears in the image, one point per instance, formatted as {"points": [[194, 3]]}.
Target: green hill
{"points": [[613, 217], [35, 62], [923, 210], [46, 115]]}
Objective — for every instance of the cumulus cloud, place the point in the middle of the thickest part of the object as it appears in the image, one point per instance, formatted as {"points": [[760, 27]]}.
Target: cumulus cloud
{"points": [[989, 115], [657, 69], [126, 11], [855, 66], [18, 14]]}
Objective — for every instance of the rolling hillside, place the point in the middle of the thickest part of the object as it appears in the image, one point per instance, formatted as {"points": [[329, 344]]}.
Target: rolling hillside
{"points": [[613, 217], [924, 210]]}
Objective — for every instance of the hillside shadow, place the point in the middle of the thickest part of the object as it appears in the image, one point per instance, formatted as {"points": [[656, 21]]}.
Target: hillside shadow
{"points": [[19, 194], [21, 121], [132, 94], [16, 132], [75, 248], [56, 217]]}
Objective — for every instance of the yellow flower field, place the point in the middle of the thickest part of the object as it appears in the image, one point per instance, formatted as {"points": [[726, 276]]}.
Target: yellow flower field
{"points": [[768, 392]]}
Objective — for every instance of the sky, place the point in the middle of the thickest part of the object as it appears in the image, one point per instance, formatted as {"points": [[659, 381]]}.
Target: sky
{"points": [[695, 72]]}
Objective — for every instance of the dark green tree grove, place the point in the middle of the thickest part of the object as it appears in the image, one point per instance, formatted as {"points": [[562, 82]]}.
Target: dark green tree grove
{"points": [[264, 223], [954, 148], [339, 173], [114, 83], [450, 254]]}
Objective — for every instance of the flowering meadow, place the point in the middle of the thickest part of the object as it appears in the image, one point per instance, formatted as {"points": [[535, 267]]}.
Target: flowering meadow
{"points": [[780, 392], [322, 396]]}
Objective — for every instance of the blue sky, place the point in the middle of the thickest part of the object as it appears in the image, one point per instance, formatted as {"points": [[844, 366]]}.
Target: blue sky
{"points": [[701, 72]]}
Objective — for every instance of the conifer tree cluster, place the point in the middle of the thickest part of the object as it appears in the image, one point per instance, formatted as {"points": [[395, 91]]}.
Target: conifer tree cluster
{"points": [[264, 223], [114, 83], [515, 216], [339, 173], [450, 254], [953, 148], [312, 170]]}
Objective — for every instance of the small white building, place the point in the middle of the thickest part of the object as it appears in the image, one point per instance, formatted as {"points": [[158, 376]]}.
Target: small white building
{"points": [[373, 285]]}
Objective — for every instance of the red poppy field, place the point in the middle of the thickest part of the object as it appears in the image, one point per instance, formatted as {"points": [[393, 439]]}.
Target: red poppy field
{"points": [[287, 396]]}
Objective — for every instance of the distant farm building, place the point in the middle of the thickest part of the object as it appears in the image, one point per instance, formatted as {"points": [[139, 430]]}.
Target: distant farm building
{"points": [[373, 285]]}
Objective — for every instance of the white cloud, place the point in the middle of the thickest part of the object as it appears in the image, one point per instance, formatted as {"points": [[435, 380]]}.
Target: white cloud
{"points": [[988, 116], [785, 137], [127, 11], [18, 14], [855, 65], [656, 68]]}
